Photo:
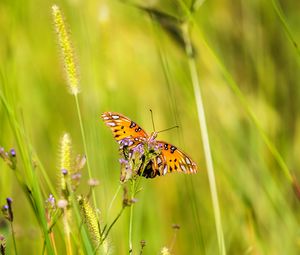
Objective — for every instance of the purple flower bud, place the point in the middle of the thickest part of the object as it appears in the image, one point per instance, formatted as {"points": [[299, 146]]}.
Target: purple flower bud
{"points": [[5, 208], [125, 142], [10, 211], [9, 200], [13, 152], [139, 149], [123, 161], [51, 200], [64, 171]]}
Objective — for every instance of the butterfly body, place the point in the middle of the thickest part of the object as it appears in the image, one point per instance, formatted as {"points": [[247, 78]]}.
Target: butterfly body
{"points": [[165, 158]]}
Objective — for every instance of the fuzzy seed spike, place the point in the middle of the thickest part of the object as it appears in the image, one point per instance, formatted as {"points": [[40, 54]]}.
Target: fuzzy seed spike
{"points": [[90, 219], [66, 48]]}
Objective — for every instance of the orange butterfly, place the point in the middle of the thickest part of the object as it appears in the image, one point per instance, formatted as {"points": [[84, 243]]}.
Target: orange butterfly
{"points": [[131, 136]]}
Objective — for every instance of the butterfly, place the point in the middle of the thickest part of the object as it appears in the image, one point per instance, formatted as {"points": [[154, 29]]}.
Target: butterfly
{"points": [[130, 135]]}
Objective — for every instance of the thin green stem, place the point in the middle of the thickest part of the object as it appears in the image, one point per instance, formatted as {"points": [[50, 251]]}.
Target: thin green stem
{"points": [[235, 88], [31, 186], [67, 232], [285, 25], [113, 199], [205, 142], [13, 237], [131, 215], [112, 224], [84, 145]]}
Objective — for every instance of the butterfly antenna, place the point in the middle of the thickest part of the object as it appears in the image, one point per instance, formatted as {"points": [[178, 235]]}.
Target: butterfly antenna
{"points": [[152, 120], [167, 129]]}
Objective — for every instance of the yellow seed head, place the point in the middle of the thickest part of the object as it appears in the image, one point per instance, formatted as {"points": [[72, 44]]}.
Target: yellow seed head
{"points": [[90, 219], [65, 152], [66, 50], [65, 161], [165, 251]]}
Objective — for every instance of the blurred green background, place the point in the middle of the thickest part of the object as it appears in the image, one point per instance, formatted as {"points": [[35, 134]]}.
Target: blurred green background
{"points": [[119, 52]]}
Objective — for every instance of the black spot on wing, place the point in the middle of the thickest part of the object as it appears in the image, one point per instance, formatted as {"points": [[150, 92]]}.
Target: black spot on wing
{"points": [[172, 149], [166, 146], [132, 124]]}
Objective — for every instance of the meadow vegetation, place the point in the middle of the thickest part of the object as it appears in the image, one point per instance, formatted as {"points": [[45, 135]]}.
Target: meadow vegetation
{"points": [[226, 72]]}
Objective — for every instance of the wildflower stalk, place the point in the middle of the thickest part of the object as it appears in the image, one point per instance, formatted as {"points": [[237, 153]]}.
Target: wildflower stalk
{"points": [[205, 140], [71, 74], [133, 190], [13, 237], [8, 214], [52, 239], [104, 235]]}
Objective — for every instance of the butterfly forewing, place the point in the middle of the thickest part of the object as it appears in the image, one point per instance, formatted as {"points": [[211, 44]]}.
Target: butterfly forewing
{"points": [[124, 128], [172, 159]]}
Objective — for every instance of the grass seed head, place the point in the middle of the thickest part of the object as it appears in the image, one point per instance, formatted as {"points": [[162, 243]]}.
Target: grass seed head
{"points": [[165, 251], [67, 51], [90, 218]]}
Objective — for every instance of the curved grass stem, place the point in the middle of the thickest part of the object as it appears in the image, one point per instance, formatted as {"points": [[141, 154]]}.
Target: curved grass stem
{"points": [[85, 146], [113, 199], [205, 142], [112, 224]]}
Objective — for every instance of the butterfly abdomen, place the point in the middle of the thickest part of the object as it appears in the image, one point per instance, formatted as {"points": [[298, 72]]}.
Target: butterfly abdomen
{"points": [[149, 172]]}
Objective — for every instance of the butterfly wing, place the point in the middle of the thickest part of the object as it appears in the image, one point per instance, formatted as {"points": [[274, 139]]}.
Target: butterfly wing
{"points": [[125, 131], [171, 160]]}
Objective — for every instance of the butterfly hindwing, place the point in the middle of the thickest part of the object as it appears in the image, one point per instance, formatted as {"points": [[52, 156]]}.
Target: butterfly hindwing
{"points": [[124, 129], [172, 159]]}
